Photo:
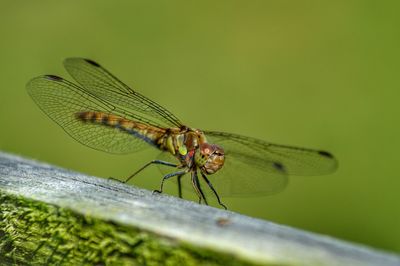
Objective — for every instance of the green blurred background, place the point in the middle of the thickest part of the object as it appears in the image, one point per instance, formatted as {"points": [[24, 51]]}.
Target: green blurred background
{"points": [[318, 74]]}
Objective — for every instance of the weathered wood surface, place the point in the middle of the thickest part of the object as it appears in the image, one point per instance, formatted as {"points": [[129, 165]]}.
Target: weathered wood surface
{"points": [[168, 219]]}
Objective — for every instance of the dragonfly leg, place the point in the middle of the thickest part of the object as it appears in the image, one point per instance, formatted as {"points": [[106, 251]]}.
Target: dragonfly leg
{"points": [[212, 188], [197, 188], [149, 163], [180, 173], [180, 186]]}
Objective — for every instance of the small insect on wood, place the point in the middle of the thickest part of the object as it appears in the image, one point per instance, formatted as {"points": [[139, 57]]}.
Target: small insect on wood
{"points": [[103, 113]]}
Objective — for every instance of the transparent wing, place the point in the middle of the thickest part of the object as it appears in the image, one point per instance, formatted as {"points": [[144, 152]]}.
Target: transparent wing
{"points": [[247, 175], [255, 167], [293, 160], [102, 84], [61, 100], [243, 174]]}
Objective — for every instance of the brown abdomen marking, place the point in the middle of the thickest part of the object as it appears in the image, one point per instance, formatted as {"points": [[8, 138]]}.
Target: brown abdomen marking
{"points": [[147, 133], [101, 118]]}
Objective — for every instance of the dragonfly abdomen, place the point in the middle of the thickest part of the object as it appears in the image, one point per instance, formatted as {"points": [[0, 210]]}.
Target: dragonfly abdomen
{"points": [[147, 133]]}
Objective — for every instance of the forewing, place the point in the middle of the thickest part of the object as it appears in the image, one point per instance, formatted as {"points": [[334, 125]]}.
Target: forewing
{"points": [[256, 167], [294, 160], [102, 84], [61, 100]]}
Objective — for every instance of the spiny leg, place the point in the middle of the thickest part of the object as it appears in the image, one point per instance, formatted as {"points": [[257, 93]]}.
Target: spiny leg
{"points": [[197, 187], [149, 163], [212, 188], [201, 191], [180, 173], [180, 186]]}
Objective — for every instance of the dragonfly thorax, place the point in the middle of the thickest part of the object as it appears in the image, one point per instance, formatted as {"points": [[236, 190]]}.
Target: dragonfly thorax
{"points": [[190, 146], [209, 157]]}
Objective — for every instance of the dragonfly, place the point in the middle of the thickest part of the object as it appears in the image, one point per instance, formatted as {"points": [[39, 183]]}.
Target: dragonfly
{"points": [[105, 114]]}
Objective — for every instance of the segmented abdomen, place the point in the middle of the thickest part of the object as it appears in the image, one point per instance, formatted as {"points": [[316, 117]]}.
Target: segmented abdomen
{"points": [[148, 133]]}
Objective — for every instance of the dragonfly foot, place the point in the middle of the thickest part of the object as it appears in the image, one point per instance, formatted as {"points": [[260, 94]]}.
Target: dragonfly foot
{"points": [[223, 206], [157, 191]]}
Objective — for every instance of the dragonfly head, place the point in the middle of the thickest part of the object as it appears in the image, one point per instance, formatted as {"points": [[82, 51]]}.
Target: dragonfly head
{"points": [[209, 157]]}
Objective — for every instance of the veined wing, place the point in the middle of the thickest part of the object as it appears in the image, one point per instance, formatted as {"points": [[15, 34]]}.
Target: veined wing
{"points": [[256, 167], [62, 100], [102, 84], [294, 160], [240, 176]]}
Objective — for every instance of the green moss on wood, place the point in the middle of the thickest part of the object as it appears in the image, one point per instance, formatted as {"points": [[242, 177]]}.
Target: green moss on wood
{"points": [[36, 233]]}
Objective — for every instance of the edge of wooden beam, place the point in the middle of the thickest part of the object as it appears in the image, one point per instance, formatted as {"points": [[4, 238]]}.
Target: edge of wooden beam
{"points": [[49, 214]]}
